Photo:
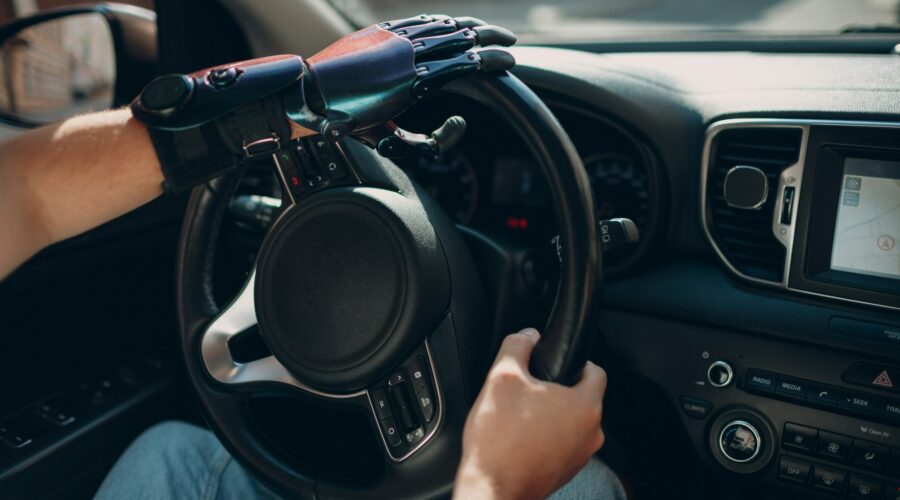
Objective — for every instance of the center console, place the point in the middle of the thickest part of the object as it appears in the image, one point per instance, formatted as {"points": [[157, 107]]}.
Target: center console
{"points": [[784, 368], [809, 206]]}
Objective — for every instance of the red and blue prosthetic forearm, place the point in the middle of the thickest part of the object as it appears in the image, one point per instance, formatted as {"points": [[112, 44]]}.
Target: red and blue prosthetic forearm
{"points": [[208, 123]]}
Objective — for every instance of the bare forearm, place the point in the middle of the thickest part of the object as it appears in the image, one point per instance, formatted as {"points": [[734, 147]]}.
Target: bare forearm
{"points": [[61, 180]]}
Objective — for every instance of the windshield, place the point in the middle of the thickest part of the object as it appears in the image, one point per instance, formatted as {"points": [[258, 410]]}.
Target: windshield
{"points": [[536, 20]]}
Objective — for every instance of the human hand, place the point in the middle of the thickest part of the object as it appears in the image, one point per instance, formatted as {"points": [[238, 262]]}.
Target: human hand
{"points": [[524, 437]]}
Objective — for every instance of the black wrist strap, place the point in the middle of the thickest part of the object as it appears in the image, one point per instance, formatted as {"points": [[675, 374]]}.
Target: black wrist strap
{"points": [[192, 156]]}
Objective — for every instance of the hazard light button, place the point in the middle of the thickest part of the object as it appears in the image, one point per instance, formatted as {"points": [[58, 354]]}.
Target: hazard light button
{"points": [[874, 375]]}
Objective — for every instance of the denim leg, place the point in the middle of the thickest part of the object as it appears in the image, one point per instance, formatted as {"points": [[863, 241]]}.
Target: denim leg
{"points": [[596, 481], [175, 460]]}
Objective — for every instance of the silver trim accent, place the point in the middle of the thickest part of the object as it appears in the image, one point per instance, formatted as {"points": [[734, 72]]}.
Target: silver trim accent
{"points": [[237, 317], [765, 183], [439, 418], [723, 364], [795, 171], [284, 182], [755, 432]]}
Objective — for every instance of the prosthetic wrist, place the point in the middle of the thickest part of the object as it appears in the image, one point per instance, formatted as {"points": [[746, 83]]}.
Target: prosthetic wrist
{"points": [[210, 122]]}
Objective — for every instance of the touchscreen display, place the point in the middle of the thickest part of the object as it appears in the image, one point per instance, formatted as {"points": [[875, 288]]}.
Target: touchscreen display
{"points": [[867, 230]]}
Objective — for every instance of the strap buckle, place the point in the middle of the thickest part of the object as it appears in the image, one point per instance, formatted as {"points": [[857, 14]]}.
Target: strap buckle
{"points": [[264, 146]]}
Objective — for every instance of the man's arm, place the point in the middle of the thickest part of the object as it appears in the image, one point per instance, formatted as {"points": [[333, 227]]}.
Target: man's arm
{"points": [[61, 180], [525, 438]]}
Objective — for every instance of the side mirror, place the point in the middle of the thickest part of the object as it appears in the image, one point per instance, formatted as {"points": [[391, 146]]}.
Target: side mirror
{"points": [[64, 62]]}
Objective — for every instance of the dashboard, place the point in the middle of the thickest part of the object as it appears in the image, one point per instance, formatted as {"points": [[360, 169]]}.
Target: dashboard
{"points": [[490, 183], [753, 349], [752, 337]]}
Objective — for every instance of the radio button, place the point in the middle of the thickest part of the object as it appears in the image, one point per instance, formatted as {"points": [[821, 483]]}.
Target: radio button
{"points": [[760, 381], [793, 388], [890, 409], [859, 403]]}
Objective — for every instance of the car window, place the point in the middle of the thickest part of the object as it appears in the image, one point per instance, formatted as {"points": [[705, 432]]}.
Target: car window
{"points": [[539, 20]]}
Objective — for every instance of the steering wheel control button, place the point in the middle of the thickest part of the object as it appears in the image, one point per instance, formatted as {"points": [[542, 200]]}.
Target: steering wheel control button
{"points": [[167, 94], [221, 78], [794, 470], [391, 433], [720, 374], [869, 455], [426, 403], [798, 437], [829, 479], [740, 441], [760, 381], [746, 187], [695, 408], [396, 379], [417, 374], [382, 406], [833, 446], [415, 436], [866, 488]]}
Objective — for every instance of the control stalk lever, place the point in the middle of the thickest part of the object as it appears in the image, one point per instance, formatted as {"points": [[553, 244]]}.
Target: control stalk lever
{"points": [[541, 266], [616, 233]]}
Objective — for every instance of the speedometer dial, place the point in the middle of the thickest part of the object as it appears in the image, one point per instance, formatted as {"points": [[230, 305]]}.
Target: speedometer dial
{"points": [[450, 180], [621, 187]]}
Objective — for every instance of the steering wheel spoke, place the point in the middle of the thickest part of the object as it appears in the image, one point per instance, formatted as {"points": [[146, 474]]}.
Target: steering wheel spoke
{"points": [[239, 318]]}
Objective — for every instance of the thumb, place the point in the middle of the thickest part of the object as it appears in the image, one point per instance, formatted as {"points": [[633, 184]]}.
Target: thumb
{"points": [[517, 347]]}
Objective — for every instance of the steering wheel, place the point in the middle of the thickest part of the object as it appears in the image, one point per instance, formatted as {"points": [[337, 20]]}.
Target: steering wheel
{"points": [[370, 301]]}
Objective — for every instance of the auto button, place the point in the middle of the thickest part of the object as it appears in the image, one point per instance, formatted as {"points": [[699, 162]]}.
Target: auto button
{"points": [[739, 441]]}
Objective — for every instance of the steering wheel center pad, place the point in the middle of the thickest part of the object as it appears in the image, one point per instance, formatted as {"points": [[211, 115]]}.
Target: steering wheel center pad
{"points": [[349, 282]]}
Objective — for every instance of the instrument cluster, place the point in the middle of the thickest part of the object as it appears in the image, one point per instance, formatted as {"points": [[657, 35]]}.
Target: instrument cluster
{"points": [[491, 183]]}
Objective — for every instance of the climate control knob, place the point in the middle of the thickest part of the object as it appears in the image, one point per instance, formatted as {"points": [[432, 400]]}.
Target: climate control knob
{"points": [[740, 441]]}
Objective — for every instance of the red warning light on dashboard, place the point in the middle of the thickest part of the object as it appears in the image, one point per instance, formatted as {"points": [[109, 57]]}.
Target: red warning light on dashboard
{"points": [[517, 222]]}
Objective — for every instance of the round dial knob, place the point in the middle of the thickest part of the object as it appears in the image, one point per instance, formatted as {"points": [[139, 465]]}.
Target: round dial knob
{"points": [[740, 441], [720, 374]]}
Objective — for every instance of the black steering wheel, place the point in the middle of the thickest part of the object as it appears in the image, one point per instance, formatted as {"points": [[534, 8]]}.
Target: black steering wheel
{"points": [[369, 300]]}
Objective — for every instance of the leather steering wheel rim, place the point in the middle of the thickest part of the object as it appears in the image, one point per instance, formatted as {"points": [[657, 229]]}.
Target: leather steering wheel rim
{"points": [[566, 339]]}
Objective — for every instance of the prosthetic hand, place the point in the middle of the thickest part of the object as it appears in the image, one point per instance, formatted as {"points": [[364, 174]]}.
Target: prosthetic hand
{"points": [[209, 122]]}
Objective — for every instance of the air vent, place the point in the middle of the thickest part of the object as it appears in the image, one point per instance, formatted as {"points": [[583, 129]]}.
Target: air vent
{"points": [[745, 236]]}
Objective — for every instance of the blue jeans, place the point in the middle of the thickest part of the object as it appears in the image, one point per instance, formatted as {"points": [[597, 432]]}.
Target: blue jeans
{"points": [[175, 460]]}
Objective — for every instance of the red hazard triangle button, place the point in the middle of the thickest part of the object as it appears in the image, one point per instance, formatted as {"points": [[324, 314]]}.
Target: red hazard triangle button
{"points": [[883, 379], [874, 375]]}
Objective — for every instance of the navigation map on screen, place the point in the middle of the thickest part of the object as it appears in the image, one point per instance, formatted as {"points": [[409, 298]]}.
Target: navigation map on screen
{"points": [[867, 231]]}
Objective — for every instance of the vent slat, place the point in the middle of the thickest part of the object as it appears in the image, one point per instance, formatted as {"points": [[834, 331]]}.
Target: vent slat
{"points": [[745, 236], [753, 161]]}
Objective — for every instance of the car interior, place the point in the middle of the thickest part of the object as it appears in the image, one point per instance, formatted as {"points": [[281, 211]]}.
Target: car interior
{"points": [[733, 169]]}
